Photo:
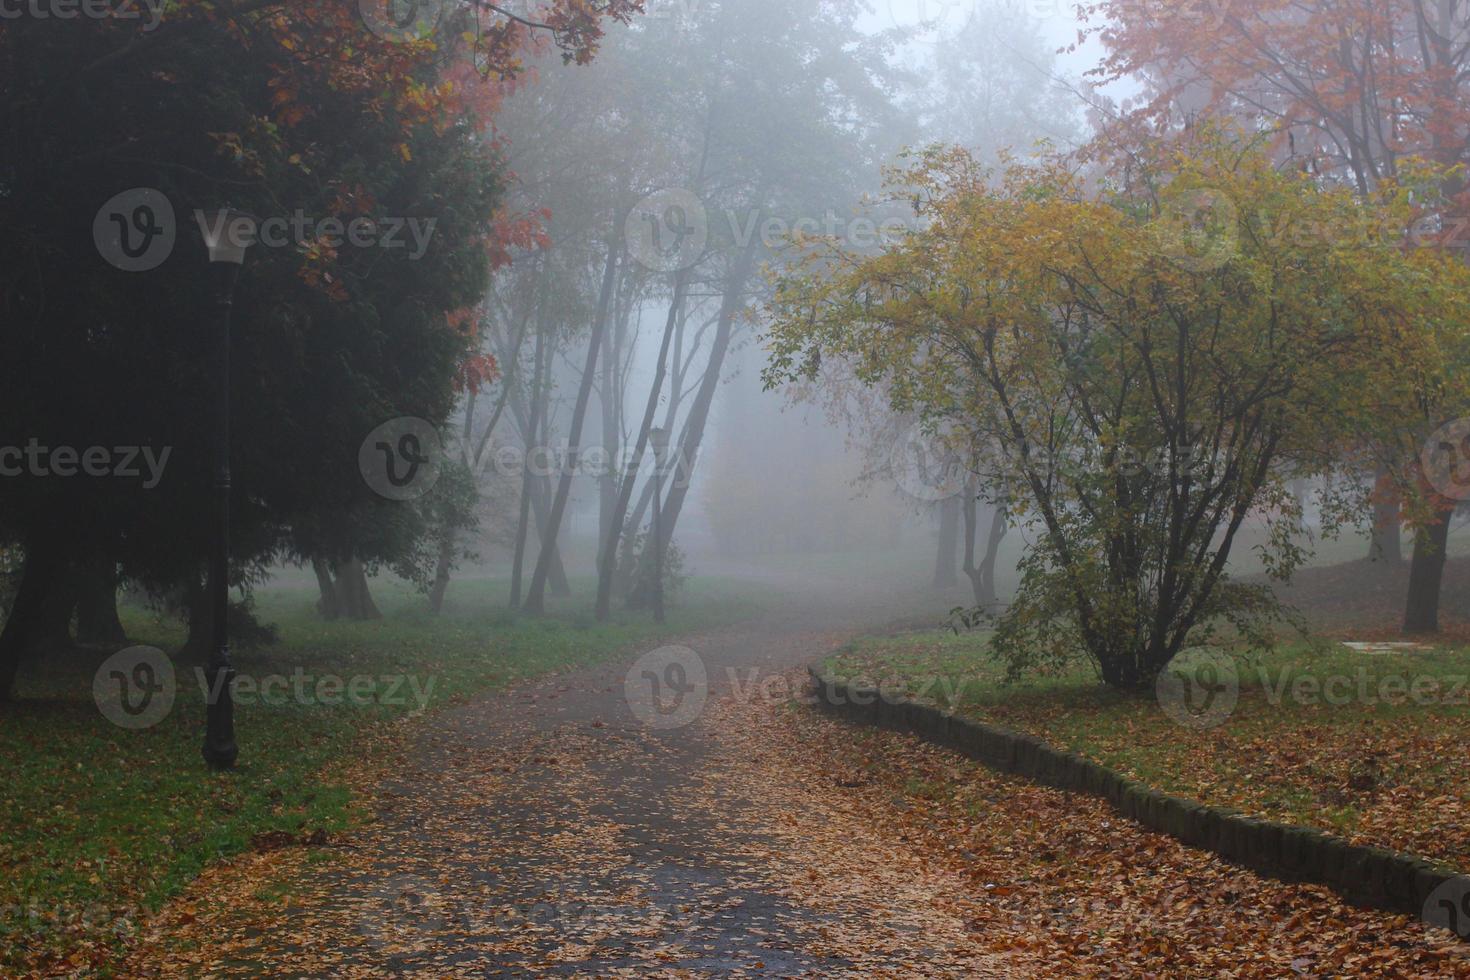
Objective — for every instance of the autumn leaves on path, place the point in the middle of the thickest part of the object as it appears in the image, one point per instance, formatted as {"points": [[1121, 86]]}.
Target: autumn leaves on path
{"points": [[552, 832]]}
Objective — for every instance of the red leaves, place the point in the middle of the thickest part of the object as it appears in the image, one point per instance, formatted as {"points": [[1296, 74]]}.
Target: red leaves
{"points": [[477, 372], [1340, 72], [525, 232]]}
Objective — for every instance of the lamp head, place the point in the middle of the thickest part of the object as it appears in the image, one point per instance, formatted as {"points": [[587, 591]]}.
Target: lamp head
{"points": [[227, 234]]}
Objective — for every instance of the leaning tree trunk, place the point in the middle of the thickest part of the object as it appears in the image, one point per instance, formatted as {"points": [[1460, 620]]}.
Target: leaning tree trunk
{"points": [[540, 489], [536, 596], [608, 559], [97, 621], [693, 434], [945, 576], [557, 583], [626, 568], [999, 525], [1426, 575], [534, 491]]}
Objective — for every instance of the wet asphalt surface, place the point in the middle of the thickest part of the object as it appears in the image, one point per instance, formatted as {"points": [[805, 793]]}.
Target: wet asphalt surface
{"points": [[569, 827]]}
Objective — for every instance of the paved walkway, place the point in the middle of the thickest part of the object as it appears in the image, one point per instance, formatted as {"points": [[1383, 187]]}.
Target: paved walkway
{"points": [[562, 829], [567, 829]]}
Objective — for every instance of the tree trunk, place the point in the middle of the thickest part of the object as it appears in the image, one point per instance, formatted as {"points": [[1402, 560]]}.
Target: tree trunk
{"points": [[678, 371], [533, 424], [1426, 574], [329, 605], [441, 574], [982, 575], [518, 563], [97, 620], [999, 525], [26, 627], [607, 564], [945, 575], [354, 597], [612, 424], [1386, 543], [1123, 673], [540, 491], [557, 583], [687, 453], [536, 596]]}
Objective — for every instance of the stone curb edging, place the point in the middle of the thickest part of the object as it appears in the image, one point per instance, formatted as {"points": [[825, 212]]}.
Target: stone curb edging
{"points": [[1367, 876]]}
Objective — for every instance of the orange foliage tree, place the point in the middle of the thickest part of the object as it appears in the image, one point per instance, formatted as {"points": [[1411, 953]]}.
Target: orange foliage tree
{"points": [[1359, 89]]}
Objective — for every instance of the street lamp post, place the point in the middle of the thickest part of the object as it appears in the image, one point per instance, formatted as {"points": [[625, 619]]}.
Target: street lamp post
{"points": [[660, 439], [226, 237]]}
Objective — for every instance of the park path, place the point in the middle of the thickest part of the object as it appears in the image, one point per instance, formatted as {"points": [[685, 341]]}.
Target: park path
{"points": [[560, 829], [551, 830]]}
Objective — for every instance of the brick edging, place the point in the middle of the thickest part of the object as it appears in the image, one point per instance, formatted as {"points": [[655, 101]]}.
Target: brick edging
{"points": [[1368, 876]]}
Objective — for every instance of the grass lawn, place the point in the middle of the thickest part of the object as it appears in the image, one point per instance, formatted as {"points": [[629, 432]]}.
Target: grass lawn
{"points": [[99, 823], [1370, 746]]}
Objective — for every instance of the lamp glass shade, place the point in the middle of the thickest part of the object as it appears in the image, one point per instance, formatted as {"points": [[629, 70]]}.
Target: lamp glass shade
{"points": [[227, 234]]}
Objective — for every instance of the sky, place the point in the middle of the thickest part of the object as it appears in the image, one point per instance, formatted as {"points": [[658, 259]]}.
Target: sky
{"points": [[1058, 20]]}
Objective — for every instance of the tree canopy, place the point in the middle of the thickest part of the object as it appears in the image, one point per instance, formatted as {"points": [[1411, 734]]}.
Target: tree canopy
{"points": [[1136, 351]]}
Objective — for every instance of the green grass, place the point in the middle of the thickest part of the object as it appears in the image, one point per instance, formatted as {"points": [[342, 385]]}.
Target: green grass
{"points": [[1375, 763], [100, 822]]}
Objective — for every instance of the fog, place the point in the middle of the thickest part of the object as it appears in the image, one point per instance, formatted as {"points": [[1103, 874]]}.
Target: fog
{"points": [[711, 488], [782, 472]]}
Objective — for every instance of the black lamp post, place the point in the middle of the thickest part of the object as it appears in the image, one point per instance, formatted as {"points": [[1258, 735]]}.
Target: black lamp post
{"points": [[660, 439], [227, 235]]}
